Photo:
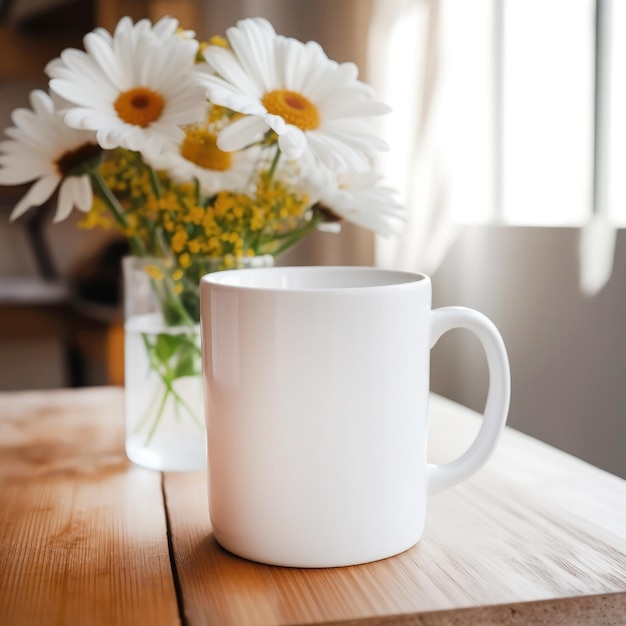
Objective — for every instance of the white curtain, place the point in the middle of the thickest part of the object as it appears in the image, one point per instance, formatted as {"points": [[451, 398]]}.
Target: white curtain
{"points": [[598, 237], [405, 67], [466, 122]]}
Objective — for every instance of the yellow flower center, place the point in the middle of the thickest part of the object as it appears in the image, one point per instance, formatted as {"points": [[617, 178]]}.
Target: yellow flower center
{"points": [[293, 107], [73, 158], [139, 106], [200, 147], [218, 40]]}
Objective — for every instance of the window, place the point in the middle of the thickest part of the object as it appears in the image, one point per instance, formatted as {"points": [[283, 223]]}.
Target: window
{"points": [[616, 110], [525, 119], [547, 130]]}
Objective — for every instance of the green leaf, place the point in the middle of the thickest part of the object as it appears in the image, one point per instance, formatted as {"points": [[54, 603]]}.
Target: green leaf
{"points": [[185, 365], [191, 302], [166, 346], [184, 368]]}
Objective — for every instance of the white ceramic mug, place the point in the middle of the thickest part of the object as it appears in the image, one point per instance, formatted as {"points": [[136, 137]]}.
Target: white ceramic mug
{"points": [[316, 383]]}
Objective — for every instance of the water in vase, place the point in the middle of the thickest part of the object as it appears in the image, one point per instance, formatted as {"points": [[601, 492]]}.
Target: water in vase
{"points": [[163, 385]]}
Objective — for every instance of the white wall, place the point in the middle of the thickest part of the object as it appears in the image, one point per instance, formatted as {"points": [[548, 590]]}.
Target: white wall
{"points": [[567, 351]]}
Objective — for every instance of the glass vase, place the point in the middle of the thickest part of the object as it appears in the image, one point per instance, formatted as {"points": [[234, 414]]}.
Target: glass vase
{"points": [[164, 416]]}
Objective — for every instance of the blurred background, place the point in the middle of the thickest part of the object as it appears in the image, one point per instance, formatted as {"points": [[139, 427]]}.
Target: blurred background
{"points": [[507, 136]]}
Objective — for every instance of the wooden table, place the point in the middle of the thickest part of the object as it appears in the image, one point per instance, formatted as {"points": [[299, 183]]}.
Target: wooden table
{"points": [[537, 537]]}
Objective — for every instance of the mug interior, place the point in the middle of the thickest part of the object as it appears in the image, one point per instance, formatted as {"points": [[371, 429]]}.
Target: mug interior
{"points": [[311, 278]]}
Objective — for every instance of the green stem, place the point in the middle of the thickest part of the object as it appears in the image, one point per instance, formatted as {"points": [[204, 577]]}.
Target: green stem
{"points": [[179, 399], [169, 390], [272, 170], [116, 210], [173, 300], [155, 183], [146, 416], [167, 379], [157, 419], [290, 239], [169, 294]]}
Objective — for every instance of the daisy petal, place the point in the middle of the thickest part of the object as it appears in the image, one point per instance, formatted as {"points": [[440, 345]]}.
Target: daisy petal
{"points": [[336, 154], [242, 133], [222, 93], [225, 64], [36, 195], [18, 175], [83, 194], [41, 102], [277, 124], [339, 108], [292, 142], [252, 42], [102, 54], [165, 27], [65, 200]]}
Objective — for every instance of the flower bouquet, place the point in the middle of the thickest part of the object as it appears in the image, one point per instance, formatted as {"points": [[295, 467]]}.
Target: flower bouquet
{"points": [[204, 155]]}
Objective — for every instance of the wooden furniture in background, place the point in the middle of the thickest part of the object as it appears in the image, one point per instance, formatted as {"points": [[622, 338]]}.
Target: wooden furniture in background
{"points": [[115, 354], [108, 12], [537, 537], [40, 311]]}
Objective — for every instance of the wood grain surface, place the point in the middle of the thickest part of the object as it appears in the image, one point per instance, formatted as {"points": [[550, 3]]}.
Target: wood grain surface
{"points": [[537, 534], [82, 532], [537, 537]]}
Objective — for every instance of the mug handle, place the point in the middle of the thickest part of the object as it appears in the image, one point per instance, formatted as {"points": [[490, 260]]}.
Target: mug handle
{"points": [[441, 477]]}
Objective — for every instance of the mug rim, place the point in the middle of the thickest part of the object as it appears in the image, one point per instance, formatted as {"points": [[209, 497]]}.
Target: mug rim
{"points": [[403, 279]]}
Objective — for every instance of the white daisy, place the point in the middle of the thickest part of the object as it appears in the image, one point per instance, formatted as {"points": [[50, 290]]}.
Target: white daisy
{"points": [[164, 28], [198, 157], [43, 149], [360, 199], [296, 91], [136, 89]]}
